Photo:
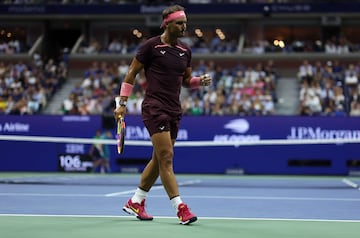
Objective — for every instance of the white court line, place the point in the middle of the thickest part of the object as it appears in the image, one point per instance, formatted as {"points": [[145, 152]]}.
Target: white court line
{"points": [[190, 182], [172, 217], [51, 195], [275, 198], [129, 192], [187, 196], [351, 183]]}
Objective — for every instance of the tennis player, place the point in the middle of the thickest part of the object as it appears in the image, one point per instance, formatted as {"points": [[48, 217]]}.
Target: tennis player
{"points": [[167, 64]]}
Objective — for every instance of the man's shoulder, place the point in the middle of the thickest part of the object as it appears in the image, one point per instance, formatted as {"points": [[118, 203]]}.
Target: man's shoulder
{"points": [[152, 40], [149, 43]]}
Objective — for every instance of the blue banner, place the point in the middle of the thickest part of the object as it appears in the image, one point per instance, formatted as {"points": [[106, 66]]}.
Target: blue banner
{"points": [[255, 159], [259, 159], [44, 156]]}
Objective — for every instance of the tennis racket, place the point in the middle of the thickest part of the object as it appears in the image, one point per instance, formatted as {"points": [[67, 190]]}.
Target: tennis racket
{"points": [[120, 131], [120, 135]]}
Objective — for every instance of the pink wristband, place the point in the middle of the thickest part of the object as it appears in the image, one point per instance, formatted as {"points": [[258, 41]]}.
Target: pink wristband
{"points": [[126, 89], [194, 82]]}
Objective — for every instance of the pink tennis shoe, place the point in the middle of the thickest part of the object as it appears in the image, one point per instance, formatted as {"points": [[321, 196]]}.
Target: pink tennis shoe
{"points": [[184, 214], [138, 210]]}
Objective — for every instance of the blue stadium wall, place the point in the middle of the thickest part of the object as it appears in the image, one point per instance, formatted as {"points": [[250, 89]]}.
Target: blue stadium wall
{"points": [[315, 159]]}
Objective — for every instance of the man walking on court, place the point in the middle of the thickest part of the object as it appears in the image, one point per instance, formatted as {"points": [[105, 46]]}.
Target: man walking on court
{"points": [[167, 64]]}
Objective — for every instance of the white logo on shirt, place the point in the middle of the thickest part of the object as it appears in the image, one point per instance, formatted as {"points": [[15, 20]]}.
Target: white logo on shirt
{"points": [[181, 54], [162, 52]]}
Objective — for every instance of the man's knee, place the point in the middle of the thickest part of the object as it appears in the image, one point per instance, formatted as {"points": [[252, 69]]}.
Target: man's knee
{"points": [[165, 158]]}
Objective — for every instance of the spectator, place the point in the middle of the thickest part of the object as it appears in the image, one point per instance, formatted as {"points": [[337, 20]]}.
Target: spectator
{"points": [[115, 46], [96, 152], [268, 105], [355, 108], [3, 104], [313, 103], [327, 96], [105, 165], [93, 47], [122, 69], [69, 104], [339, 97], [135, 102], [305, 72], [351, 77], [196, 108], [330, 47]]}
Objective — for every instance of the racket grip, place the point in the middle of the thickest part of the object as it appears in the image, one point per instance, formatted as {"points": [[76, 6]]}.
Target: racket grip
{"points": [[118, 147]]}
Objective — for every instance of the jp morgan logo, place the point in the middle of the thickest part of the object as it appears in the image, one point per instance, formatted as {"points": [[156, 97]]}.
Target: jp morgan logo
{"points": [[319, 133], [238, 126]]}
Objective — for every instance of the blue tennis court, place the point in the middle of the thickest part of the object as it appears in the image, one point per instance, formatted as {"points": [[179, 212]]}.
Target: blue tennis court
{"points": [[231, 199]]}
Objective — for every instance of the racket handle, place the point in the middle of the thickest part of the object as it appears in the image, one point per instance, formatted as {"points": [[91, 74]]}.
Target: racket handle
{"points": [[118, 147]]}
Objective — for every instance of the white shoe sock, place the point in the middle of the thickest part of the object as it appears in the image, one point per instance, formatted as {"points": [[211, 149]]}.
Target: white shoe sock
{"points": [[139, 195], [175, 202]]}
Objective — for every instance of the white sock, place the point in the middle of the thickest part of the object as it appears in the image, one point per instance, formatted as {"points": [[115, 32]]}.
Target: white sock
{"points": [[139, 195], [175, 202]]}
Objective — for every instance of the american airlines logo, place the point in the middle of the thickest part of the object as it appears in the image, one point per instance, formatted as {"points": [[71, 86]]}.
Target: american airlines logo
{"points": [[14, 127], [238, 127]]}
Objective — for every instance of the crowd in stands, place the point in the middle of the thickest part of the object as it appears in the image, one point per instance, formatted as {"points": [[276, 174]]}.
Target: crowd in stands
{"points": [[201, 45], [329, 89], [13, 46], [25, 88], [333, 45], [235, 91], [116, 46], [326, 88], [129, 46]]}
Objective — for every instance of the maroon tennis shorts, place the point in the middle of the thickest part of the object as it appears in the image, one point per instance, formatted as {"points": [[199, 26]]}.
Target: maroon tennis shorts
{"points": [[163, 123]]}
